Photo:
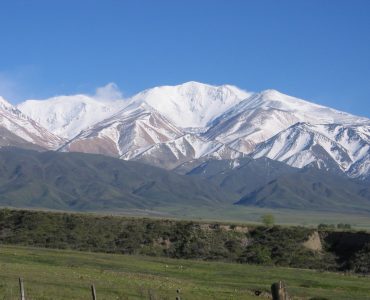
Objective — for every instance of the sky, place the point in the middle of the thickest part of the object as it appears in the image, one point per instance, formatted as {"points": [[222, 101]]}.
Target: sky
{"points": [[317, 50]]}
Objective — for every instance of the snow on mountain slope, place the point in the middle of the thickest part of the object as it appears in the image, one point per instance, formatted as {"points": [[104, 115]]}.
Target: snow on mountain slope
{"points": [[66, 116], [20, 129], [361, 168], [191, 104], [263, 115], [182, 149], [328, 146], [139, 132], [310, 112], [168, 125], [133, 130]]}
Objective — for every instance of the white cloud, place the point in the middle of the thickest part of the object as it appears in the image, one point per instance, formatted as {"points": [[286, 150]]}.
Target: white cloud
{"points": [[109, 92], [12, 89]]}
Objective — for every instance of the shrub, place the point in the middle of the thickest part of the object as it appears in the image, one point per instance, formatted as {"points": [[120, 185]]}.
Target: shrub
{"points": [[268, 220], [360, 262]]}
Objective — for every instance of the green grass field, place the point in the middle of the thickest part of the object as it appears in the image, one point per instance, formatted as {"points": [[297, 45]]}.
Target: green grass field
{"points": [[55, 274], [252, 215]]}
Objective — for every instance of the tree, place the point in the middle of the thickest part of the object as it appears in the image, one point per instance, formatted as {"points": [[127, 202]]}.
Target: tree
{"points": [[268, 220], [344, 226]]}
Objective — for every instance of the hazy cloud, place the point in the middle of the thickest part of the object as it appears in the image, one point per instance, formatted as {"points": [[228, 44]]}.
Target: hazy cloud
{"points": [[14, 88], [108, 92]]}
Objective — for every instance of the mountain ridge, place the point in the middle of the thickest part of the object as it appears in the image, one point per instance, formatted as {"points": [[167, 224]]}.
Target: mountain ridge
{"points": [[19, 129], [244, 123], [86, 182]]}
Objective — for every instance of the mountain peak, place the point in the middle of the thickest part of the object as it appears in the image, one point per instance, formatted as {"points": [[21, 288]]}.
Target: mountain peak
{"points": [[191, 104], [271, 93], [66, 116], [193, 84], [5, 104], [274, 97]]}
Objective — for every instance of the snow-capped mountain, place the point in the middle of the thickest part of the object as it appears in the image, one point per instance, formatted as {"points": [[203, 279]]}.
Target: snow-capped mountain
{"points": [[139, 132], [17, 129], [265, 114], [192, 104], [127, 133], [67, 116], [169, 125], [328, 146], [156, 121], [187, 147], [361, 168]]}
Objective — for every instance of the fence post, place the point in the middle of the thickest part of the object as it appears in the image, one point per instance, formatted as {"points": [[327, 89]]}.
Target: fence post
{"points": [[93, 292], [278, 291], [21, 289]]}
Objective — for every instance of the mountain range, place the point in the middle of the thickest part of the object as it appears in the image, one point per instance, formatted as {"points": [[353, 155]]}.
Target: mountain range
{"points": [[251, 145], [171, 125], [85, 182], [91, 182]]}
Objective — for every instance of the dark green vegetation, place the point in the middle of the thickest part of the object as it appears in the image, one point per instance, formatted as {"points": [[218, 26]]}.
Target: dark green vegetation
{"points": [[272, 184], [87, 182], [311, 189], [242, 176], [280, 246], [62, 275], [76, 181]]}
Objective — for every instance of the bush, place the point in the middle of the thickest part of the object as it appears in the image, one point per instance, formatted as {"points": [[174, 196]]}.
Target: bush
{"points": [[268, 220], [256, 254], [344, 226], [360, 263], [273, 245]]}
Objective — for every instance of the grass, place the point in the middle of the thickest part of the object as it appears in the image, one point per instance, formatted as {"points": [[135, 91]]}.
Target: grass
{"points": [[252, 215], [55, 274], [238, 214]]}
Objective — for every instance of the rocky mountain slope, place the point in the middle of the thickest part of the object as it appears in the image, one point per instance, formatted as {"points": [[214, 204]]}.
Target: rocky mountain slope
{"points": [[335, 147], [127, 133], [17, 129], [265, 114]]}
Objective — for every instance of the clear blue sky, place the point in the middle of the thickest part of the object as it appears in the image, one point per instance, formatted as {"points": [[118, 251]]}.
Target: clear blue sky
{"points": [[314, 49]]}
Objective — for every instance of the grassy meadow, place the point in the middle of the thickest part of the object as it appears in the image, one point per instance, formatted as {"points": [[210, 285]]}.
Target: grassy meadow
{"points": [[62, 274], [252, 215]]}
